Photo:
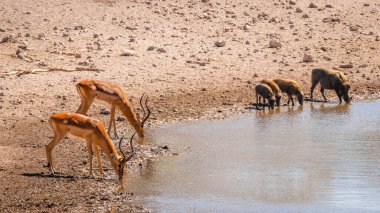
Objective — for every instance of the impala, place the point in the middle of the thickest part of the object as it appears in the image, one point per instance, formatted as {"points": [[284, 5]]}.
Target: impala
{"points": [[95, 135], [110, 94]]}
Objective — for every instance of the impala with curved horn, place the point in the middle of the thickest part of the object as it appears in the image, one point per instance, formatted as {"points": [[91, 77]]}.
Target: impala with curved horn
{"points": [[111, 94], [95, 135]]}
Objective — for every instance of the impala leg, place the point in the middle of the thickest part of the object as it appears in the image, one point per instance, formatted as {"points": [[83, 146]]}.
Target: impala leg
{"points": [[291, 98], [112, 120], [323, 94], [96, 150], [90, 156], [58, 137]]}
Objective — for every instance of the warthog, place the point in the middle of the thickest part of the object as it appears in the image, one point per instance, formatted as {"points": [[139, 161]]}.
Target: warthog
{"points": [[332, 80], [291, 88], [276, 90], [263, 90]]}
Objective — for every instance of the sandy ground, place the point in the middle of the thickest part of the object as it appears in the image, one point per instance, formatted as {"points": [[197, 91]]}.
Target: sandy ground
{"points": [[194, 59]]}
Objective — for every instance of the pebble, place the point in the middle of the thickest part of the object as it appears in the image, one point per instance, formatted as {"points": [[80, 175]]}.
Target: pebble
{"points": [[220, 43], [274, 44], [312, 5], [307, 58], [128, 52]]}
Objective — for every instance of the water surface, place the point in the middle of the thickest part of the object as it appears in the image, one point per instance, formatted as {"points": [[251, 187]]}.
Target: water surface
{"points": [[316, 158]]}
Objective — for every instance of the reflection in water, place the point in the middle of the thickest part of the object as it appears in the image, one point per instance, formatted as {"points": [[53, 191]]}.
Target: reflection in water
{"points": [[319, 158]]}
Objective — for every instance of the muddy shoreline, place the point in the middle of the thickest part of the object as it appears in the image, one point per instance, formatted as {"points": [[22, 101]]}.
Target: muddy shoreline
{"points": [[194, 59]]}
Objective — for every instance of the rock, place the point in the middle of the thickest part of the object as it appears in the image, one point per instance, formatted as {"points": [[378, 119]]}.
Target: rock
{"points": [[71, 39], [307, 58], [119, 118], [312, 5], [220, 43], [291, 2], [354, 28], [127, 52], [161, 50], [96, 35], [274, 44], [305, 15], [329, 6], [298, 10], [246, 27], [112, 38], [84, 63], [65, 35], [150, 48], [27, 35], [20, 53], [345, 66], [7, 38]]}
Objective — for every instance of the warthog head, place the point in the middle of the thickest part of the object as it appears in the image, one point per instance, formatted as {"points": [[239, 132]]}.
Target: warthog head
{"points": [[343, 91], [271, 102], [300, 97], [278, 100]]}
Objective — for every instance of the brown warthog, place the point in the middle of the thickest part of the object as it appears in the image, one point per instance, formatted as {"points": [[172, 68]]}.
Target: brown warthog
{"points": [[291, 88], [276, 90], [333, 80], [263, 90]]}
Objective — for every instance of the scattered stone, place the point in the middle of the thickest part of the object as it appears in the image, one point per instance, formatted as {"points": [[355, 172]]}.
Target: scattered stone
{"points": [[346, 66], [274, 44], [119, 118], [220, 43], [161, 50], [150, 48], [329, 6], [255, 75], [354, 28], [80, 27], [127, 52], [7, 38], [298, 10], [27, 35], [307, 58], [65, 35], [71, 39], [312, 5], [246, 27], [84, 63], [305, 15], [20, 53], [96, 35], [111, 38], [291, 2]]}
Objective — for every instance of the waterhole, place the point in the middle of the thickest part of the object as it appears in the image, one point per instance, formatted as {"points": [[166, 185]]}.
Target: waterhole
{"points": [[318, 158]]}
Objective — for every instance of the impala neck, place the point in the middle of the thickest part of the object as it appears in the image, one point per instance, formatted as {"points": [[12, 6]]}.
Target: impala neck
{"points": [[128, 112], [110, 151]]}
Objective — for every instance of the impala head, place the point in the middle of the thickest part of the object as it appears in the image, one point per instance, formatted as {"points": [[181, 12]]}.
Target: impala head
{"points": [[343, 91], [145, 116], [123, 160]]}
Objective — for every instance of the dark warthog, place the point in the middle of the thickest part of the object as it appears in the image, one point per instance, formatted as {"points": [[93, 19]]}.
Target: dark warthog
{"points": [[291, 88], [263, 90], [276, 90], [333, 80]]}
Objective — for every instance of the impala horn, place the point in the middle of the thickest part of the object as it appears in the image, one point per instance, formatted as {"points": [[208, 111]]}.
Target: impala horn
{"points": [[145, 117]]}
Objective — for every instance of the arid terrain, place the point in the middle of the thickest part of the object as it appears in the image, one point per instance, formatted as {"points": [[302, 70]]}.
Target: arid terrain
{"points": [[194, 59]]}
